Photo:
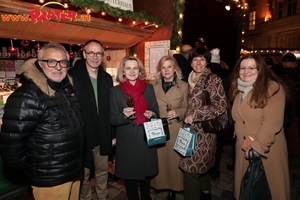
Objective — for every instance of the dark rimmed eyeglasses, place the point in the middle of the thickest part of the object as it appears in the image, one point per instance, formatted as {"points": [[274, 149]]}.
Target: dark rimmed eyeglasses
{"points": [[53, 63], [91, 53]]}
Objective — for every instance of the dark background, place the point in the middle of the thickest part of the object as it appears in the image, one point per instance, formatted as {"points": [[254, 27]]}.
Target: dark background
{"points": [[208, 19]]}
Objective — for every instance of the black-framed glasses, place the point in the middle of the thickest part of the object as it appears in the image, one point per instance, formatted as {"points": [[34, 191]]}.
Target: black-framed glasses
{"points": [[91, 53], [53, 63]]}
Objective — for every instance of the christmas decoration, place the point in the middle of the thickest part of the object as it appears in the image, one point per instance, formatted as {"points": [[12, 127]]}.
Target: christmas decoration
{"points": [[12, 50], [176, 38], [37, 48], [108, 58], [24, 43], [71, 54], [115, 12]]}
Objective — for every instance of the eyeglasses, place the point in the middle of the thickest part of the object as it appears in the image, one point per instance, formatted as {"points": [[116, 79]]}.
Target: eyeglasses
{"points": [[53, 63], [98, 54], [251, 69]]}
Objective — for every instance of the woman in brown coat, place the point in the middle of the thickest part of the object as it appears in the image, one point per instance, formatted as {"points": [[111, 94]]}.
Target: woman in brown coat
{"points": [[196, 177], [258, 112], [169, 89]]}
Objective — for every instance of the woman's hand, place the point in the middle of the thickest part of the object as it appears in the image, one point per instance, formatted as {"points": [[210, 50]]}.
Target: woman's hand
{"points": [[189, 119], [128, 112], [148, 114], [171, 114], [247, 144]]}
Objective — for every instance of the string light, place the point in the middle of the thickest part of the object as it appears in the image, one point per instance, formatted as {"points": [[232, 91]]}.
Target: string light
{"points": [[133, 22], [103, 13], [180, 15], [66, 5], [88, 11], [146, 23], [240, 4], [41, 1], [120, 19], [156, 26]]}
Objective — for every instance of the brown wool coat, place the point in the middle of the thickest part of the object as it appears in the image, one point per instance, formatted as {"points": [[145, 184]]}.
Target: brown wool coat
{"points": [[265, 126], [170, 176], [204, 157]]}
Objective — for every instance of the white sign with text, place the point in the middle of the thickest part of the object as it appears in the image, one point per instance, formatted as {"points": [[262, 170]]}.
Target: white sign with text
{"points": [[122, 4]]}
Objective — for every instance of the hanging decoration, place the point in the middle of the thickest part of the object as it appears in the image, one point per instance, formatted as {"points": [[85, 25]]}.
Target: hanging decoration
{"points": [[37, 48], [24, 43], [12, 50], [108, 58], [71, 53]]}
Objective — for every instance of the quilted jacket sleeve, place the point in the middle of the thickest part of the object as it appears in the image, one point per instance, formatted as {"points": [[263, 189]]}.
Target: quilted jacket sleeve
{"points": [[21, 115]]}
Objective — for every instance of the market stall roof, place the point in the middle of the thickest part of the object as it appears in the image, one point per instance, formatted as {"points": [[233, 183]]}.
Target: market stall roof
{"points": [[111, 33]]}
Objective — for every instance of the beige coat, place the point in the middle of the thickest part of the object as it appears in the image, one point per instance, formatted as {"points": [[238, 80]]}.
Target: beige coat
{"points": [[265, 126], [170, 176]]}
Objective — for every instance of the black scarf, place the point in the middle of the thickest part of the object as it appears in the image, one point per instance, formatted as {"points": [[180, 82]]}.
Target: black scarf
{"points": [[167, 85], [97, 124]]}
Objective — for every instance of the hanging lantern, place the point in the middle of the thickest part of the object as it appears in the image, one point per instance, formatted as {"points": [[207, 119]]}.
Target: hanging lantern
{"points": [[108, 58], [12, 50]]}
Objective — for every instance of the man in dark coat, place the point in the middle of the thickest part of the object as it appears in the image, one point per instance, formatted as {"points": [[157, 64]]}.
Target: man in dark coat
{"points": [[92, 85], [182, 61], [42, 127]]}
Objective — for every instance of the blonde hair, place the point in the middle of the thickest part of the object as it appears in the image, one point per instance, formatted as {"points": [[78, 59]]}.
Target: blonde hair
{"points": [[174, 63], [120, 73]]}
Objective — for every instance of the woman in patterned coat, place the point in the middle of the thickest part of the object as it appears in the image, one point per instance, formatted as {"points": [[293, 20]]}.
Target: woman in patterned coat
{"points": [[196, 177]]}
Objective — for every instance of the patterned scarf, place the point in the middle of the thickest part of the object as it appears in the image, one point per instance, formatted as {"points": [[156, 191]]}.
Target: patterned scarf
{"points": [[136, 92], [193, 78]]}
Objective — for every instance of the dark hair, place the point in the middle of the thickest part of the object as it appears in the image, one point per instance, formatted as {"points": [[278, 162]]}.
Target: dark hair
{"points": [[260, 94], [200, 52], [93, 41]]}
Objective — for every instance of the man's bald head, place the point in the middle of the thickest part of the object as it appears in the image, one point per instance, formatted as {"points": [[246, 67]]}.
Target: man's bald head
{"points": [[185, 50]]}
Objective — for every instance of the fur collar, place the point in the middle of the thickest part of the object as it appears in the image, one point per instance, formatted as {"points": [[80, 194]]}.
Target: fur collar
{"points": [[31, 72]]}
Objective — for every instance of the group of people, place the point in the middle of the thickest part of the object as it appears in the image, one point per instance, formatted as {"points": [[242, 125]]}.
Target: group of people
{"points": [[60, 126]]}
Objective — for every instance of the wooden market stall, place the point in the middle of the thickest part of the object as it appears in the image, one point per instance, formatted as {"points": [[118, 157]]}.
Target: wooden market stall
{"points": [[118, 36]]}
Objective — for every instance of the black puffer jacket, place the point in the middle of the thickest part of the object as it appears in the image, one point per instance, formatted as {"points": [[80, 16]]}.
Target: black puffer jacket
{"points": [[42, 130]]}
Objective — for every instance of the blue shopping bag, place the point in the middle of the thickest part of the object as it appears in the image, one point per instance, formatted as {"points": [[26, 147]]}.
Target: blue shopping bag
{"points": [[186, 142]]}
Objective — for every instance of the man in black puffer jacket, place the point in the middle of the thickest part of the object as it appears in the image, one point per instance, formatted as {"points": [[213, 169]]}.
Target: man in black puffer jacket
{"points": [[42, 127]]}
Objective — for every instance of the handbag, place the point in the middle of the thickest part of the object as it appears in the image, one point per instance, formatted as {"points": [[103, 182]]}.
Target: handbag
{"points": [[219, 123], [254, 184], [154, 132], [185, 143]]}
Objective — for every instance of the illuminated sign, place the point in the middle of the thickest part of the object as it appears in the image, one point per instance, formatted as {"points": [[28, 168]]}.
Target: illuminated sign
{"points": [[44, 17]]}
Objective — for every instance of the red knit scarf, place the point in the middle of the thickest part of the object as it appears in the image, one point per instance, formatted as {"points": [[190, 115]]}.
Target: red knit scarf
{"points": [[136, 92]]}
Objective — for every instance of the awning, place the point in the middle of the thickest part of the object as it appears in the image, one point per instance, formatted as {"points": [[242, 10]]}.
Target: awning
{"points": [[111, 33]]}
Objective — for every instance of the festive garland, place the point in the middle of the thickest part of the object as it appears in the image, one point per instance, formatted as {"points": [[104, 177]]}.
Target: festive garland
{"points": [[176, 38], [179, 8], [96, 6]]}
